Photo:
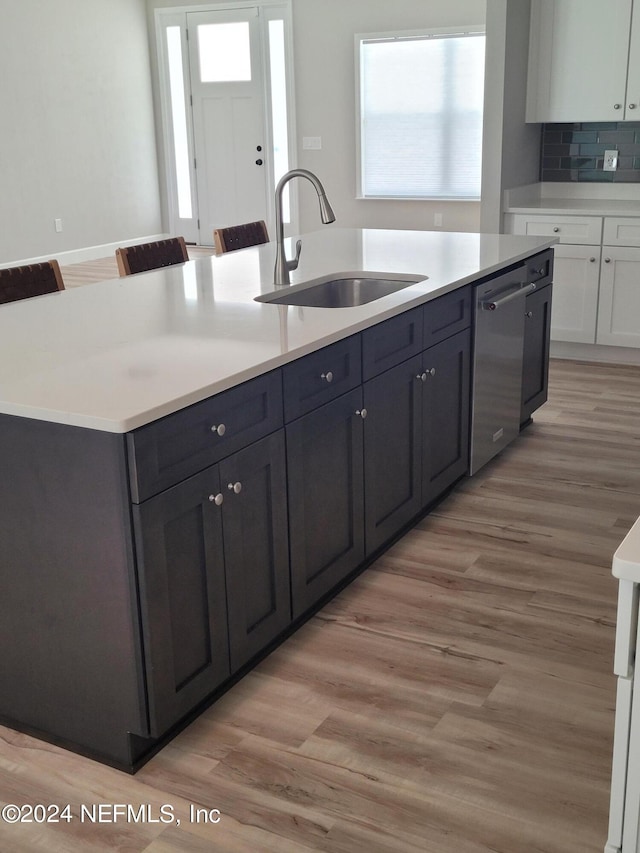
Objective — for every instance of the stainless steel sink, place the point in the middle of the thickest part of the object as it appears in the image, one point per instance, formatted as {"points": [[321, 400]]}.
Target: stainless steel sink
{"points": [[344, 290]]}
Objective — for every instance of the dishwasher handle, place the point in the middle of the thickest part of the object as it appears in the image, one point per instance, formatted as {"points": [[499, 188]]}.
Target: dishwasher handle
{"points": [[493, 305]]}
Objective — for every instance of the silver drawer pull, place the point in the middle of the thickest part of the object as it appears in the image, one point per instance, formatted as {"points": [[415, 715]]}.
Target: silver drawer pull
{"points": [[236, 488], [422, 377], [431, 371], [362, 413], [216, 499], [328, 376], [220, 429]]}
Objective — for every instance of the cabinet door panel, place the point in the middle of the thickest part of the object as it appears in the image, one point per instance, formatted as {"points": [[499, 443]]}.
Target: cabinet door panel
{"points": [[182, 595], [575, 293], [535, 362], [392, 451], [445, 419], [578, 60], [256, 547], [325, 487], [619, 306]]}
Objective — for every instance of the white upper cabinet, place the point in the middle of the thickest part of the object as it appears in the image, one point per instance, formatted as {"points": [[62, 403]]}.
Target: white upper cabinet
{"points": [[584, 61]]}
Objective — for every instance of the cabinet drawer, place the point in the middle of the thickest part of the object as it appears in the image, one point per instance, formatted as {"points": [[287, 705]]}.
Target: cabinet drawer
{"points": [[621, 231], [540, 268], [568, 229], [447, 316], [169, 450], [317, 378], [391, 342]]}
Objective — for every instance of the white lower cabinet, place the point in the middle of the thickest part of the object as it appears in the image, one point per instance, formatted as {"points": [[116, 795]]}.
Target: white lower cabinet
{"points": [[624, 810], [576, 276], [619, 301], [596, 296]]}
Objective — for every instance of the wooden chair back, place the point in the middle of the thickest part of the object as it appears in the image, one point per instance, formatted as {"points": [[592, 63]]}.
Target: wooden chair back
{"points": [[30, 280], [151, 256], [240, 236]]}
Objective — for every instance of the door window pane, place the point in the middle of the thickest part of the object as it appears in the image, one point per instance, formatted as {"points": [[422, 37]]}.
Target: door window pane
{"points": [[179, 122], [225, 52], [279, 109]]}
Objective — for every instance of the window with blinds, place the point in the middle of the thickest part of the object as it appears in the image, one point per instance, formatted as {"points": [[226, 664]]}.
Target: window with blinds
{"points": [[420, 114]]}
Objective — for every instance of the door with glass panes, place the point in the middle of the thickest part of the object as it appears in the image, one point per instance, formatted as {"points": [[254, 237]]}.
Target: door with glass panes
{"points": [[229, 129]]}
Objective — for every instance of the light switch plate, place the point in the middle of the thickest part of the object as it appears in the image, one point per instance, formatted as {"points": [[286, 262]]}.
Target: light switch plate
{"points": [[312, 142]]}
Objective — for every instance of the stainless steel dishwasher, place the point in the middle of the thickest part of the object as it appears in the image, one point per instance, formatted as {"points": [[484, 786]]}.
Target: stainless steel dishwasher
{"points": [[497, 363]]}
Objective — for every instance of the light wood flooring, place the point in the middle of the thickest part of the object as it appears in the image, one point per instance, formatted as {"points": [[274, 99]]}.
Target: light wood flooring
{"points": [[458, 697]]}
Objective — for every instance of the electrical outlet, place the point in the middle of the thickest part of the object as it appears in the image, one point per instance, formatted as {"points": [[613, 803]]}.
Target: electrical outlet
{"points": [[610, 161], [437, 219], [58, 225]]}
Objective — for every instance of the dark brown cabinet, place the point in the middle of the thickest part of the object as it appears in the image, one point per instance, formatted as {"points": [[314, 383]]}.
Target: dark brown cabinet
{"points": [[445, 415], [182, 597], [393, 450], [416, 441], [326, 494], [535, 365], [196, 540], [213, 569]]}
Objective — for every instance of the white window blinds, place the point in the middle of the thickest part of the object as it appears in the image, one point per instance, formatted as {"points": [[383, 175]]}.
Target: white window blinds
{"points": [[421, 102]]}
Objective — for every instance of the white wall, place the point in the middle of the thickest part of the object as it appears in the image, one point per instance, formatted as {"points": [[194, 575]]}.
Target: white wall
{"points": [[323, 32], [325, 100], [511, 148], [78, 136]]}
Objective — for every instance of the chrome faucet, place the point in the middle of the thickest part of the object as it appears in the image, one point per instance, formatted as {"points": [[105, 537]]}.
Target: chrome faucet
{"points": [[283, 266]]}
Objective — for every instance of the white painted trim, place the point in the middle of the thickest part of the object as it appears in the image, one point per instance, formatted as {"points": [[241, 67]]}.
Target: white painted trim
{"points": [[595, 352], [90, 253]]}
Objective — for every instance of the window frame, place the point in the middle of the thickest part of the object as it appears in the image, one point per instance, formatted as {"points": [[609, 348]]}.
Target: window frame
{"points": [[400, 35]]}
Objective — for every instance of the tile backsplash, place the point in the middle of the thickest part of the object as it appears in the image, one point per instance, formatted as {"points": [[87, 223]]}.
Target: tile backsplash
{"points": [[575, 152]]}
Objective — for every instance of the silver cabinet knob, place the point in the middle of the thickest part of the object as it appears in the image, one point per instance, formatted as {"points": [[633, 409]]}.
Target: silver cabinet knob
{"points": [[431, 371], [328, 376], [555, 229], [592, 260], [236, 488], [422, 377], [220, 429], [529, 314], [362, 413], [617, 106], [607, 260], [216, 499], [632, 106]]}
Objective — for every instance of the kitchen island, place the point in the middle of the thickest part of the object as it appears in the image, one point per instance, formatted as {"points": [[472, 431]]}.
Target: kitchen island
{"points": [[189, 473]]}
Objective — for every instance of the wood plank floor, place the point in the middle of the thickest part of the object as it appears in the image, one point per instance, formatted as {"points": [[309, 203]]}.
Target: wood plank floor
{"points": [[457, 698]]}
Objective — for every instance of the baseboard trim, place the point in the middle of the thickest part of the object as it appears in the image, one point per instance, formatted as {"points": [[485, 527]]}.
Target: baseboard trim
{"points": [[89, 253], [595, 352]]}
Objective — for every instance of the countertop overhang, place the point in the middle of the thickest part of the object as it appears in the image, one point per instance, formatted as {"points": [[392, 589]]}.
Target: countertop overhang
{"points": [[118, 354]]}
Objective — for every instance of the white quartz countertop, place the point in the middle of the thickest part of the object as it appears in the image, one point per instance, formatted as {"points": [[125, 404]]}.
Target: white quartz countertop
{"points": [[577, 207], [626, 560], [121, 353]]}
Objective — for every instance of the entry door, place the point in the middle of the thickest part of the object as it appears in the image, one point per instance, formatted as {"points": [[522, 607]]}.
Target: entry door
{"points": [[230, 136]]}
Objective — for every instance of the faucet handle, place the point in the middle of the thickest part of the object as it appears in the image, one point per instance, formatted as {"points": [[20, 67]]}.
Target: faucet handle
{"points": [[293, 264]]}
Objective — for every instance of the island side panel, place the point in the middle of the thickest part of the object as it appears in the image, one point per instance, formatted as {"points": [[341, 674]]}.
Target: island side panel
{"points": [[71, 664]]}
